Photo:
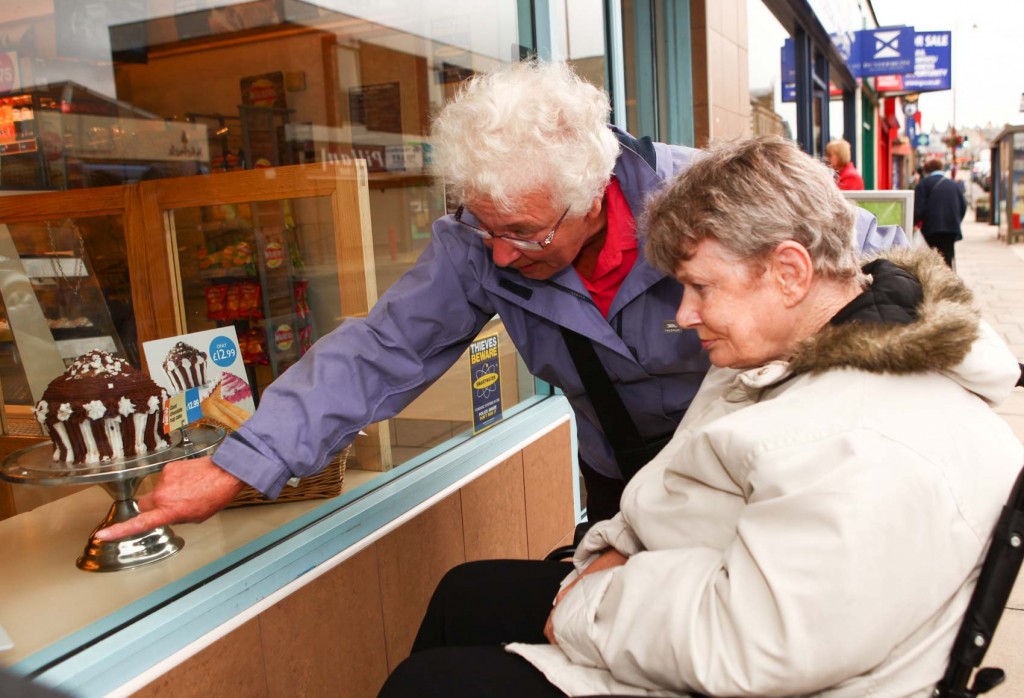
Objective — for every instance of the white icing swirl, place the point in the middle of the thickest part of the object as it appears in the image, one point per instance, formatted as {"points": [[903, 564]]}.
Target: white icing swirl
{"points": [[64, 412], [95, 409], [42, 409], [125, 406], [153, 404]]}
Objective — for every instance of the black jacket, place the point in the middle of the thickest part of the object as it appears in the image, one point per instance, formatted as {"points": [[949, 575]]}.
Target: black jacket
{"points": [[939, 206]]}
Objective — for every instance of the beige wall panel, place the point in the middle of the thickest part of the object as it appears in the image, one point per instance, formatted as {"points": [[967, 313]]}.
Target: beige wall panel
{"points": [[716, 70], [713, 10], [232, 667], [729, 24], [730, 83], [328, 637], [742, 27], [494, 513], [547, 468], [412, 559]]}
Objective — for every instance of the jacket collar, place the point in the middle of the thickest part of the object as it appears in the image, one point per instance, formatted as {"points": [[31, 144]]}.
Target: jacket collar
{"points": [[916, 317]]}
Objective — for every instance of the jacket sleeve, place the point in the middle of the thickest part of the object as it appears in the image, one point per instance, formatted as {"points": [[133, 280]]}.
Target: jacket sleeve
{"points": [[364, 371], [803, 598]]}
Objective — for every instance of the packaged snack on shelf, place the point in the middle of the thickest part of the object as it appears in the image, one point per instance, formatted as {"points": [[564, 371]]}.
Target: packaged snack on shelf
{"points": [[216, 302], [232, 303], [227, 256], [300, 289], [249, 301], [250, 342], [305, 339], [242, 254]]}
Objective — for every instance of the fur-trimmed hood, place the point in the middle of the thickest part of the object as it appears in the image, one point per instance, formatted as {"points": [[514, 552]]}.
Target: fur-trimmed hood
{"points": [[916, 317]]}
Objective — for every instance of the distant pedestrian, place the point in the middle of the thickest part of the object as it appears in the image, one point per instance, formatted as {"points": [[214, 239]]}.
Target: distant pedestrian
{"points": [[837, 153], [939, 207]]}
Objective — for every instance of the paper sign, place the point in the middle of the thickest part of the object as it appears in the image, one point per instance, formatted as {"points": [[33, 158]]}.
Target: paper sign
{"points": [[182, 409], [209, 362], [486, 382]]}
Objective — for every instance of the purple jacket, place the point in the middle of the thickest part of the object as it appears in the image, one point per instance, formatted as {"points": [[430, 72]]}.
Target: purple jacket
{"points": [[369, 369]]}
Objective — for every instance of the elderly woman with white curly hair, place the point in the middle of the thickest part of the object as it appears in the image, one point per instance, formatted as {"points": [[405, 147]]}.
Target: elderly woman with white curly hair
{"points": [[817, 522]]}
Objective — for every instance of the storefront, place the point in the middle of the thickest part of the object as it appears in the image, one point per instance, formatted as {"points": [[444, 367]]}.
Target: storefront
{"points": [[1008, 183], [171, 169]]}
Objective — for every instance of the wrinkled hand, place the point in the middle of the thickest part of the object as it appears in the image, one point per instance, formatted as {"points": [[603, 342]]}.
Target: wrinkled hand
{"points": [[607, 560], [189, 491]]}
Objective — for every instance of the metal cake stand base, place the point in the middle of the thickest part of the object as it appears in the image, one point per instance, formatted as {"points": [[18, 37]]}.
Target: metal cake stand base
{"points": [[120, 479]]}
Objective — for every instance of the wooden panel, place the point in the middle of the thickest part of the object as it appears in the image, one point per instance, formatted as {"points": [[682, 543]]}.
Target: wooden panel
{"points": [[6, 501], [328, 637], [231, 667], [413, 558], [78, 203], [547, 470], [149, 269], [494, 513]]}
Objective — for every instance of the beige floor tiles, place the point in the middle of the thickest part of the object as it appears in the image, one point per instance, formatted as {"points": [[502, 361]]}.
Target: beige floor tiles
{"points": [[327, 639], [412, 559], [494, 513], [548, 479], [232, 667]]}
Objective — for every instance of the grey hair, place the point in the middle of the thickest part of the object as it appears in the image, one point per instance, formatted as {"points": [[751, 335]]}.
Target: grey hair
{"points": [[750, 195], [527, 127]]}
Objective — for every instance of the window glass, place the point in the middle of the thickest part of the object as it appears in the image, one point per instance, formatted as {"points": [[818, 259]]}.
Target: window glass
{"points": [[112, 95], [772, 100], [106, 93]]}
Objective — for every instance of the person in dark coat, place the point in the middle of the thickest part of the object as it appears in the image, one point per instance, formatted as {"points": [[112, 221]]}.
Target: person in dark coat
{"points": [[939, 207]]}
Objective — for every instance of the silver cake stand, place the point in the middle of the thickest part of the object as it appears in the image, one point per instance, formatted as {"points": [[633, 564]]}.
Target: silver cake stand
{"points": [[121, 479]]}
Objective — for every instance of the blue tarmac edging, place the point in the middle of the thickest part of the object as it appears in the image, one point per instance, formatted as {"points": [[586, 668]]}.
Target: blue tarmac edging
{"points": [[194, 606]]}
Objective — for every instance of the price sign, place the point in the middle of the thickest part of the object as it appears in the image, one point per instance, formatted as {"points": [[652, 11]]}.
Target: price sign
{"points": [[223, 351], [181, 409]]}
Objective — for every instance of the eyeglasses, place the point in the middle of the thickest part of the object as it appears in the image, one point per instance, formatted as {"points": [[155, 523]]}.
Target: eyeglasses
{"points": [[515, 240]]}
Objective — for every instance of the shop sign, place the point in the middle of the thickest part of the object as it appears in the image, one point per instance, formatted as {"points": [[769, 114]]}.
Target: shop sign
{"points": [[882, 51], [932, 66], [485, 376], [150, 140], [10, 80]]}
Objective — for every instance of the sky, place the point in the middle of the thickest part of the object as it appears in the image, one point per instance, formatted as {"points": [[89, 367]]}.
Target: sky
{"points": [[988, 58]]}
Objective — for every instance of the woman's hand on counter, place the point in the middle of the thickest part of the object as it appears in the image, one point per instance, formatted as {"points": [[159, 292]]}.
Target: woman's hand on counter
{"points": [[189, 491]]}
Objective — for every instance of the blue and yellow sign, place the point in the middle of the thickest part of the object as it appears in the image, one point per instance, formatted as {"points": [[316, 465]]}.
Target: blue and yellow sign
{"points": [[485, 376]]}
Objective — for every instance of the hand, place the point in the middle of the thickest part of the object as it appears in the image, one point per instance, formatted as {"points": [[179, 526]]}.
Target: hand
{"points": [[189, 491], [608, 559]]}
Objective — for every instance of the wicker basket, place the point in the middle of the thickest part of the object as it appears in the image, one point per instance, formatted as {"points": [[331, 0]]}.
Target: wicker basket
{"points": [[323, 485]]}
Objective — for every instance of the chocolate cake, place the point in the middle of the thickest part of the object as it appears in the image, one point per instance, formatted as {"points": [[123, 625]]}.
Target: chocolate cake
{"points": [[185, 366], [101, 408]]}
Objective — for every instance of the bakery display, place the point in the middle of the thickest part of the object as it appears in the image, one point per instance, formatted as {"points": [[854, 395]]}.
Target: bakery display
{"points": [[101, 409], [185, 366]]}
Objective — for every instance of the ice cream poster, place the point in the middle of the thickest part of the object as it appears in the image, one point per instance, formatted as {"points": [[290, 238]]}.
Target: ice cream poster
{"points": [[209, 362], [486, 382]]}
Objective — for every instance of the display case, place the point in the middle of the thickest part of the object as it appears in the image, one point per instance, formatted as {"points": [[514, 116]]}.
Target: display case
{"points": [[65, 136], [1008, 183]]}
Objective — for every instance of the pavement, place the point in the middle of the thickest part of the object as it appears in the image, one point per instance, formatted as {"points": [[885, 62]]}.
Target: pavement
{"points": [[994, 271]]}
